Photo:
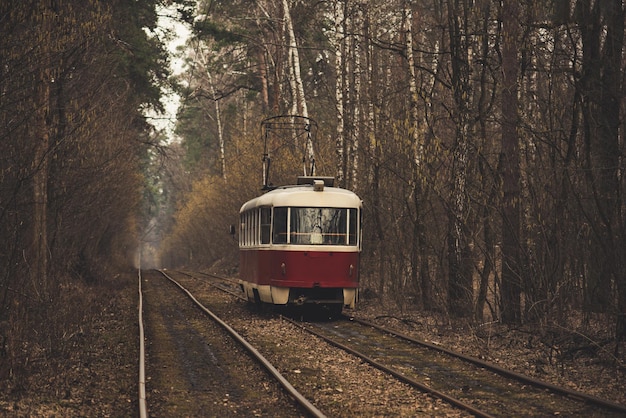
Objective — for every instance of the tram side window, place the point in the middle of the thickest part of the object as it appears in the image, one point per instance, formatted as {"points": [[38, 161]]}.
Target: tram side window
{"points": [[266, 223], [352, 231], [249, 219], [241, 228], [255, 227], [246, 226], [254, 230], [280, 226], [248, 229]]}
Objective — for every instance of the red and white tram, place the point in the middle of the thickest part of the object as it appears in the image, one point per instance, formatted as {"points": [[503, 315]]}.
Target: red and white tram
{"points": [[300, 245]]}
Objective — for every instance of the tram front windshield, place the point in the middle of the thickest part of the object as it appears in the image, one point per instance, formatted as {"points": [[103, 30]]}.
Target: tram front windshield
{"points": [[315, 226]]}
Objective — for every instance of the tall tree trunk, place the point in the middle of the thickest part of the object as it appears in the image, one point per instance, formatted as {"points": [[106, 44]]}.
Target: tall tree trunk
{"points": [[419, 258], [40, 190], [597, 291], [299, 106], [218, 112], [348, 90], [338, 42], [41, 162], [486, 176], [356, 123], [602, 26], [265, 95], [510, 165], [220, 129], [460, 287]]}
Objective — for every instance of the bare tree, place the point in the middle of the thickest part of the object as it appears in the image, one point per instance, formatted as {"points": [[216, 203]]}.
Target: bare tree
{"points": [[218, 113], [460, 285], [602, 30], [510, 165]]}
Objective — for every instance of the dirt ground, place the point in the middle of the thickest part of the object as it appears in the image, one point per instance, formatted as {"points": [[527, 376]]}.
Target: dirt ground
{"points": [[97, 376]]}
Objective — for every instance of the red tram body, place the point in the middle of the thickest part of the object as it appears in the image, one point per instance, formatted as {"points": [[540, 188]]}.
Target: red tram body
{"points": [[301, 244]]}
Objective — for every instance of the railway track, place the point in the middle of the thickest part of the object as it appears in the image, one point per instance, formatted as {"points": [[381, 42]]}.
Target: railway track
{"points": [[333, 380], [474, 386], [196, 367]]}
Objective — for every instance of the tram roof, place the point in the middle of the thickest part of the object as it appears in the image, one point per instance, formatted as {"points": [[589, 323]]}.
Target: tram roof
{"points": [[305, 196]]}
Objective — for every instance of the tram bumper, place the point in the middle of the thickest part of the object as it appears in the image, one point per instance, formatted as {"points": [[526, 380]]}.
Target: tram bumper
{"points": [[280, 295], [350, 297]]}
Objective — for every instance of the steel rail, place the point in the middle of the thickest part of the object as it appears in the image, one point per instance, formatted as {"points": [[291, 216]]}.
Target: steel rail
{"points": [[300, 399], [214, 275], [580, 396], [217, 286], [143, 409], [427, 389]]}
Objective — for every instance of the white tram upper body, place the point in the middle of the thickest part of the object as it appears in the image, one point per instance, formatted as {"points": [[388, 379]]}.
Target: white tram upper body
{"points": [[301, 244]]}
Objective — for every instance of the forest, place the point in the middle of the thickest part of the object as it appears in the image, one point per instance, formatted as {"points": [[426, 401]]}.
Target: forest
{"points": [[486, 140], [76, 79]]}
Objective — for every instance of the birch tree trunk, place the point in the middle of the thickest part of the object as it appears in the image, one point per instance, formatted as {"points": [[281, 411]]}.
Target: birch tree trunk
{"points": [[264, 58], [356, 74], [299, 106], [338, 42], [218, 119], [418, 256], [264, 82], [218, 114]]}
